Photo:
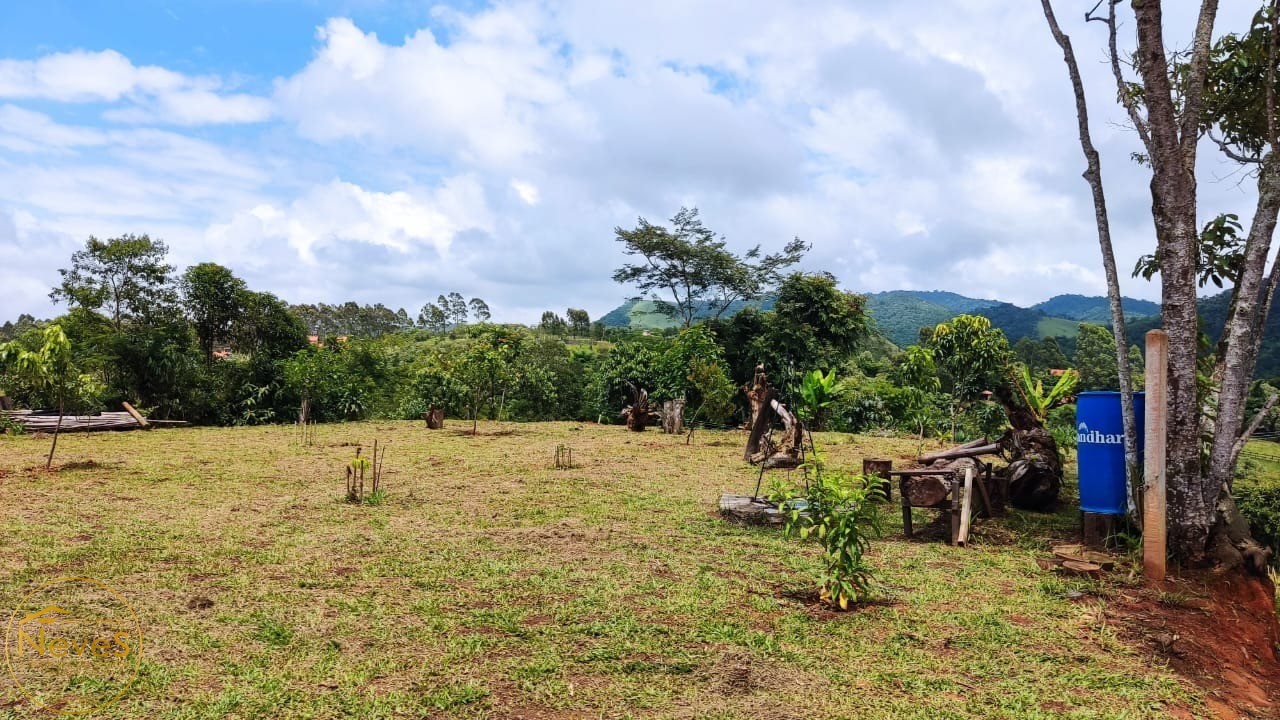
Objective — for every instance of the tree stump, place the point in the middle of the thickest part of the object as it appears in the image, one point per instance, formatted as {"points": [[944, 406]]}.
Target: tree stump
{"points": [[879, 468], [673, 416], [749, 511], [434, 418]]}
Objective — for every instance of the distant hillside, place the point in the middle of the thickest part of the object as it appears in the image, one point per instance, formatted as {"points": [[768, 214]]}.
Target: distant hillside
{"points": [[957, 304], [899, 314], [644, 314], [1213, 315], [1093, 309]]}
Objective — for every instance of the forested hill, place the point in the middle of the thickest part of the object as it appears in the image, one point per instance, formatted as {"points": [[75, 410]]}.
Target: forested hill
{"points": [[1093, 309], [1213, 315], [899, 314]]}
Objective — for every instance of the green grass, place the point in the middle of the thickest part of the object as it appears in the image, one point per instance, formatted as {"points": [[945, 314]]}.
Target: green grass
{"points": [[1057, 327], [489, 585]]}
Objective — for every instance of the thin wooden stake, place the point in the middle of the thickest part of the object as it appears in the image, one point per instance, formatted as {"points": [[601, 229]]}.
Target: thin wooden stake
{"points": [[1154, 539], [966, 506]]}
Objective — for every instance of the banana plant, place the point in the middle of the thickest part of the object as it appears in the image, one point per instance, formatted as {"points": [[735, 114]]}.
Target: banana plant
{"points": [[1032, 390], [819, 393]]}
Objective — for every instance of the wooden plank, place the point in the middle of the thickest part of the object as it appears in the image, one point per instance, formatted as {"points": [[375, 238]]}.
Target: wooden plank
{"points": [[142, 422], [1154, 538], [966, 506]]}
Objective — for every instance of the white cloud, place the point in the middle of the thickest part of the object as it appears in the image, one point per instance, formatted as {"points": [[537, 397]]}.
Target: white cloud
{"points": [[155, 94], [494, 152], [342, 213], [475, 99]]}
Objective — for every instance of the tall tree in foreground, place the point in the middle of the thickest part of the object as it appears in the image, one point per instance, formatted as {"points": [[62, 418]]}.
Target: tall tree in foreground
{"points": [[1172, 104], [1093, 175]]}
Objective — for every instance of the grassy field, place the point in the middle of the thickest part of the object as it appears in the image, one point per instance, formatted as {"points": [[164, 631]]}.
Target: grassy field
{"points": [[490, 585]]}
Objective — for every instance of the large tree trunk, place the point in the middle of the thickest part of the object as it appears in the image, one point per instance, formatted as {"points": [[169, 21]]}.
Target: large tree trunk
{"points": [[1172, 151]]}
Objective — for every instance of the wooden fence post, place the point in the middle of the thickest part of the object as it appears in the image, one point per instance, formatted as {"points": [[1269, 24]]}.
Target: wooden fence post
{"points": [[1154, 551]]}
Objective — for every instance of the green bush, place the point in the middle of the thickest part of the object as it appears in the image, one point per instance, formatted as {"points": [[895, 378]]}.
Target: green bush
{"points": [[1259, 502]]}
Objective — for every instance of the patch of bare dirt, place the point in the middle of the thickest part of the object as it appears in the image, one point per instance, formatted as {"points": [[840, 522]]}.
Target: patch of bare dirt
{"points": [[1220, 632]]}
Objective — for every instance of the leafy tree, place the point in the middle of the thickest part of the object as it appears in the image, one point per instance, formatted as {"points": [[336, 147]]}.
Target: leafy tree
{"points": [[433, 318], [480, 309], [974, 356], [579, 322], [457, 308], [49, 369], [553, 323], [691, 264], [211, 295], [1096, 359], [484, 370], [813, 322], [126, 277], [1041, 355]]}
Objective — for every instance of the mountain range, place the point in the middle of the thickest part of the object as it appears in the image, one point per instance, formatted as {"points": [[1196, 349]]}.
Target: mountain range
{"points": [[899, 314]]}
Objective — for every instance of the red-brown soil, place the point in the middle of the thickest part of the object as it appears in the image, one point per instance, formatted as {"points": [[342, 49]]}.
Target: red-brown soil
{"points": [[1220, 632]]}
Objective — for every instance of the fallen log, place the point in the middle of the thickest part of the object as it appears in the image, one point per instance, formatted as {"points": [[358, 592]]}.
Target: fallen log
{"points": [[960, 452]]}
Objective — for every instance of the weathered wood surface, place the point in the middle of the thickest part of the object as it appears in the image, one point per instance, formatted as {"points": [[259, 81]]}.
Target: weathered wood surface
{"points": [[434, 418], [765, 406], [639, 414], [960, 452], [673, 416], [926, 491], [136, 416], [46, 422], [749, 511]]}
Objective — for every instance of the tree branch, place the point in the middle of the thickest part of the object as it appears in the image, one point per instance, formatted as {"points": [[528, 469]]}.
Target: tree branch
{"points": [[1198, 69], [1122, 91], [1226, 150]]}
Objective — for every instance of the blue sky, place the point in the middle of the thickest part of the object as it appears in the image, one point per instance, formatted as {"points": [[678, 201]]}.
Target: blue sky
{"points": [[392, 151]]}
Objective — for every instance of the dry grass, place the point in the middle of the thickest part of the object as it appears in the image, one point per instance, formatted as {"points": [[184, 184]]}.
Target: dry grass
{"points": [[488, 584]]}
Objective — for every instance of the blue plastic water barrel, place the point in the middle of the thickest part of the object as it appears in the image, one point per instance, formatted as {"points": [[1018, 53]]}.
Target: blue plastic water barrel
{"points": [[1100, 450]]}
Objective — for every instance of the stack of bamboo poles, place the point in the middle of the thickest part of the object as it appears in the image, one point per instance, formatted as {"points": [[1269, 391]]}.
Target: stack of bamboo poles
{"points": [[129, 419]]}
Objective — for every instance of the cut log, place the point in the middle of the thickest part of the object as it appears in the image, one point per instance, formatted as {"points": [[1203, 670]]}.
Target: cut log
{"points": [[142, 422], [1035, 475], [960, 452], [926, 490], [639, 414]]}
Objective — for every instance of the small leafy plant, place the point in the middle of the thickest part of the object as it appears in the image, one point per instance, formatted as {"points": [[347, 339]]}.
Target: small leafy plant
{"points": [[356, 470], [842, 512]]}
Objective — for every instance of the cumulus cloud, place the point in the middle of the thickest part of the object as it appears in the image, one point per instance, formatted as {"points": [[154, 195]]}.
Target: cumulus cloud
{"points": [[493, 151], [342, 213]]}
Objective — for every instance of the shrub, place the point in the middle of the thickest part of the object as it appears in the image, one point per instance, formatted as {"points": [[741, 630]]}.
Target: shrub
{"points": [[840, 511], [1259, 502]]}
